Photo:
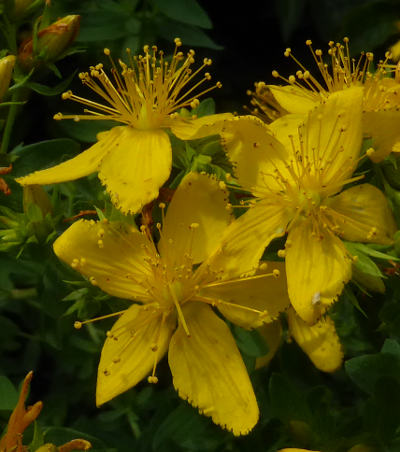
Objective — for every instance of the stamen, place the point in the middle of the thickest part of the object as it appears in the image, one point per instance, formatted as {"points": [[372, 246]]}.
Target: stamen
{"points": [[78, 325]]}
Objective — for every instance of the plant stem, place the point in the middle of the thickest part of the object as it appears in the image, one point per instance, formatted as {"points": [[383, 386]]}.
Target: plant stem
{"points": [[9, 123]]}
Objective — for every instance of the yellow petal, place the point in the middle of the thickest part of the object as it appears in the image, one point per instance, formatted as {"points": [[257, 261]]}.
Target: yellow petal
{"points": [[136, 342], [286, 130], [195, 220], [251, 301], [112, 255], [137, 165], [272, 334], [383, 128], [363, 215], [320, 341], [294, 99], [191, 129], [295, 449], [332, 137], [245, 240], [255, 154], [85, 163], [208, 370], [317, 268]]}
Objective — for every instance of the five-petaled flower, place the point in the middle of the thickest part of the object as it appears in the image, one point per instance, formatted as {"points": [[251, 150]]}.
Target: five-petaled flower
{"points": [[296, 171], [178, 283], [134, 160], [304, 90]]}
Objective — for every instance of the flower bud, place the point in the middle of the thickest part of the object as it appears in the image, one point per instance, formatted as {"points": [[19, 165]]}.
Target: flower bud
{"points": [[52, 42], [35, 194], [23, 8], [6, 69]]}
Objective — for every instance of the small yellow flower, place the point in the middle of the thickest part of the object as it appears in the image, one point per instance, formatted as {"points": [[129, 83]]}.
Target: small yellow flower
{"points": [[303, 91], [6, 69], [177, 300], [296, 172], [134, 160]]}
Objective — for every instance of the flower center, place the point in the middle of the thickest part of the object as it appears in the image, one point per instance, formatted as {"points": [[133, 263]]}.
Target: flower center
{"points": [[145, 92]]}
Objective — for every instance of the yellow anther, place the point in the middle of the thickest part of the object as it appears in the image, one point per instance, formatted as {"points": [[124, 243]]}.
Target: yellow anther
{"points": [[218, 85], [152, 379], [107, 51], [222, 185], [100, 243], [287, 52], [194, 225], [74, 263], [77, 325], [263, 266], [292, 79], [275, 73], [93, 281], [281, 253], [158, 226], [58, 116], [308, 42], [276, 273], [370, 151], [162, 205]]}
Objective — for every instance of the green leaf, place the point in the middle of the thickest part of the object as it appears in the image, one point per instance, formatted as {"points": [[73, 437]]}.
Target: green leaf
{"points": [[205, 108], [287, 402], [250, 342], [50, 90], [186, 11], [290, 13], [8, 394], [190, 36], [366, 370], [184, 427], [85, 131], [42, 154]]}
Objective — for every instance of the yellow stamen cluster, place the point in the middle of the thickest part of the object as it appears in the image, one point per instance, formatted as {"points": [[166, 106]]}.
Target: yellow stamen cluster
{"points": [[144, 92]]}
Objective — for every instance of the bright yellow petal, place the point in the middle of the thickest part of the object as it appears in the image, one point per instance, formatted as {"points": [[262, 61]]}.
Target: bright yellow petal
{"points": [[249, 302], [85, 163], [320, 341], [191, 129], [245, 240], [383, 128], [294, 99], [136, 342], [255, 154], [112, 255], [295, 449], [136, 167], [272, 334], [363, 215], [286, 130], [208, 370], [317, 268], [195, 220], [332, 137]]}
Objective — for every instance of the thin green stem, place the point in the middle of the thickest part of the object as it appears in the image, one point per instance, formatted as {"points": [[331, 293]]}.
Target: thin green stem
{"points": [[9, 123]]}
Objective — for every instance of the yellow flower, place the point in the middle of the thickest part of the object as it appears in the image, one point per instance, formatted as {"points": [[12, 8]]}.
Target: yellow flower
{"points": [[381, 98], [296, 171], [134, 160], [177, 299]]}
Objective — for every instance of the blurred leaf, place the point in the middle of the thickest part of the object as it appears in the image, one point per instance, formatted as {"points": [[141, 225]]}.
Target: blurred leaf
{"points": [[190, 36], [186, 11], [184, 427], [287, 402], [366, 370], [42, 154], [85, 131], [51, 90], [8, 394], [250, 342], [290, 14]]}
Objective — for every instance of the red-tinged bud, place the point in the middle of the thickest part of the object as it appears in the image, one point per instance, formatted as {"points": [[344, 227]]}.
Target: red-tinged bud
{"points": [[52, 42], [6, 69]]}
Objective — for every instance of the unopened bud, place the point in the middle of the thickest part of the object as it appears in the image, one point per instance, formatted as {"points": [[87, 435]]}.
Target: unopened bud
{"points": [[52, 42], [23, 8], [35, 194], [6, 69]]}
